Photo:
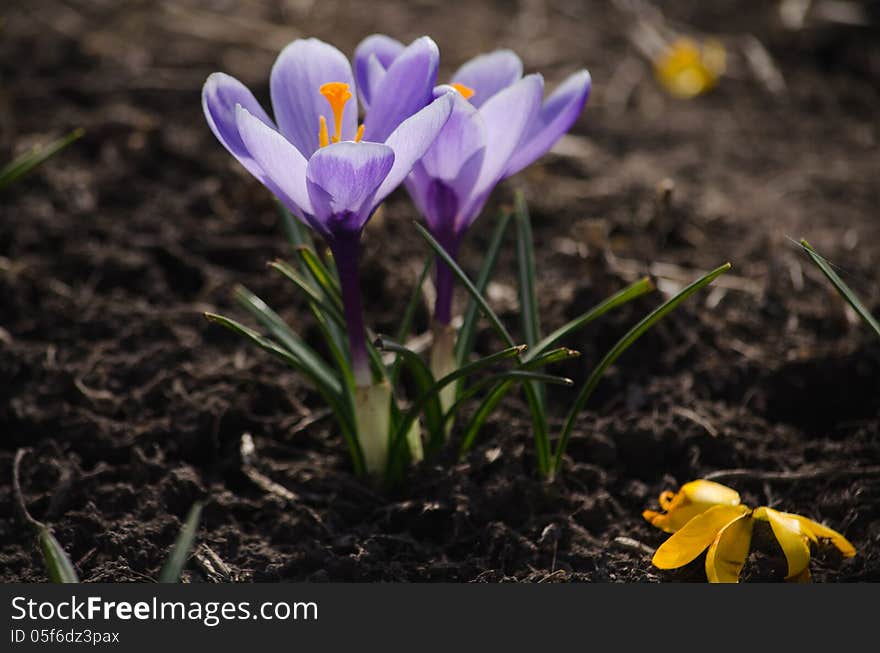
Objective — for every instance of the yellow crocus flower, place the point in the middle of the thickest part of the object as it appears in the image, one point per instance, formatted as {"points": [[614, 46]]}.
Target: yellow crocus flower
{"points": [[707, 516]]}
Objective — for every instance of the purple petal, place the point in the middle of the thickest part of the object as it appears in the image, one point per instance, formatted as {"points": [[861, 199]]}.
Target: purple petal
{"points": [[283, 167], [461, 136], [556, 117], [372, 57], [506, 116], [298, 74], [220, 95], [405, 89], [488, 74], [342, 180], [412, 139]]}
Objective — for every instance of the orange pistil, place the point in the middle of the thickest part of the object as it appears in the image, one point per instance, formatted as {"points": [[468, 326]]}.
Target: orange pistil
{"points": [[466, 92], [337, 95], [360, 134]]}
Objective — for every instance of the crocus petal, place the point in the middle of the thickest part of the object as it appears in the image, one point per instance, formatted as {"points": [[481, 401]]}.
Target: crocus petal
{"points": [[298, 74], [506, 116], [693, 538], [283, 166], [220, 96], [373, 55], [342, 181], [692, 499], [556, 117], [793, 541], [727, 555], [817, 531], [411, 140], [405, 88], [488, 74]]}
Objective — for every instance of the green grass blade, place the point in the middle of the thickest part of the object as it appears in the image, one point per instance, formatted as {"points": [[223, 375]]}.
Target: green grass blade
{"points": [[298, 234], [314, 295], [479, 418], [637, 289], [37, 155], [58, 565], [409, 314], [466, 334], [547, 358], [425, 381], [322, 274], [332, 391], [525, 257], [622, 345], [176, 560], [399, 437], [290, 340], [848, 295], [468, 285]]}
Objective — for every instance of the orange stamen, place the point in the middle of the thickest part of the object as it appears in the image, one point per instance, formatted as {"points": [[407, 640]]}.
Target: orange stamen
{"points": [[360, 134], [337, 95], [323, 136], [466, 91]]}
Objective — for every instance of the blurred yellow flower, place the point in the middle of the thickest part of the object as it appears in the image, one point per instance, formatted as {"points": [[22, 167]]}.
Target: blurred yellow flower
{"points": [[706, 515], [687, 69]]}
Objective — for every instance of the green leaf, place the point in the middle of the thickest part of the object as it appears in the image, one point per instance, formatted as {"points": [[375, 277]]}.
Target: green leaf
{"points": [[841, 287], [329, 387], [629, 293], [37, 155], [622, 345], [399, 437], [322, 274], [539, 423], [468, 285], [58, 565], [409, 314], [482, 414], [269, 319], [176, 561], [425, 381], [296, 231], [525, 258], [313, 294], [466, 334]]}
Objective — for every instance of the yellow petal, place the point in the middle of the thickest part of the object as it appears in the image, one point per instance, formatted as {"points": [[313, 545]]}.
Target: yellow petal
{"points": [[692, 499], [791, 537], [817, 531], [703, 491], [693, 538], [727, 554]]}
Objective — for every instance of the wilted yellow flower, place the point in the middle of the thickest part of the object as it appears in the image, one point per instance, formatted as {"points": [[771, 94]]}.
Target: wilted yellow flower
{"points": [[724, 527], [692, 499], [686, 69]]}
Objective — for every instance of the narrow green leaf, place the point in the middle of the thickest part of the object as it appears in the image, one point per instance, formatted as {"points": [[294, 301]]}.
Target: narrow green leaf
{"points": [[425, 381], [482, 414], [525, 258], [37, 155], [322, 274], [58, 564], [332, 391], [553, 356], [176, 561], [466, 334], [298, 234], [409, 314], [622, 345], [468, 285], [291, 341], [848, 295], [314, 294], [629, 293], [399, 437]]}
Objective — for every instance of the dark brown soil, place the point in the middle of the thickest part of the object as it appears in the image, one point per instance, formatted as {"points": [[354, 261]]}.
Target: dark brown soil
{"points": [[134, 406]]}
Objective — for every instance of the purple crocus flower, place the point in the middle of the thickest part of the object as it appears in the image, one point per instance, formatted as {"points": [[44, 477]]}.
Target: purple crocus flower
{"points": [[499, 125], [317, 161]]}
